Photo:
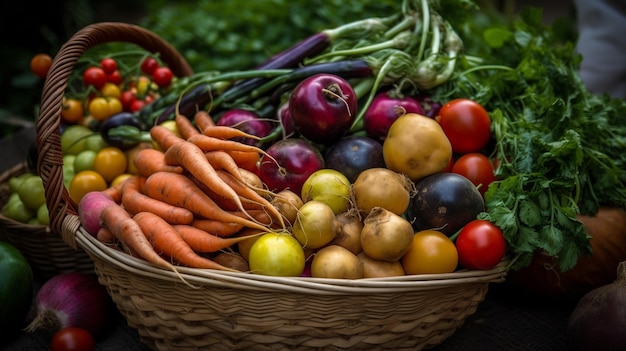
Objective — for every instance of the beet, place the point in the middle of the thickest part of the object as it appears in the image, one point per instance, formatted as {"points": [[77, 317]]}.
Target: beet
{"points": [[444, 202]]}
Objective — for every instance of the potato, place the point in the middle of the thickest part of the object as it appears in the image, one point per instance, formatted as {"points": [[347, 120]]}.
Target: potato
{"points": [[416, 146], [382, 187], [378, 269], [350, 234], [334, 261], [385, 235]]}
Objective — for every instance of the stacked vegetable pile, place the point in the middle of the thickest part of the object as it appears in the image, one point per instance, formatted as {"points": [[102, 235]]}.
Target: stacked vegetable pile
{"points": [[542, 148]]}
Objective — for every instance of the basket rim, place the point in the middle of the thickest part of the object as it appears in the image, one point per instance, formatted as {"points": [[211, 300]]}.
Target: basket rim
{"points": [[306, 285]]}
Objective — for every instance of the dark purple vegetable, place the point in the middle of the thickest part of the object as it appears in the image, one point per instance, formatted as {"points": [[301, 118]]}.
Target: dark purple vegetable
{"points": [[123, 119], [444, 202], [598, 321], [353, 154]]}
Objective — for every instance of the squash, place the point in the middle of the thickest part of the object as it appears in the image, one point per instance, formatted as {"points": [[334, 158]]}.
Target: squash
{"points": [[16, 288], [607, 231]]}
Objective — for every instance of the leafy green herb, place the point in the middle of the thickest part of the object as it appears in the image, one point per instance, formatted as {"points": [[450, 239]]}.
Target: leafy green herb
{"points": [[562, 149]]}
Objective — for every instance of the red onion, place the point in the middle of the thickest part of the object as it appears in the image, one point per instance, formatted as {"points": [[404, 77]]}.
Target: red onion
{"points": [[72, 300]]}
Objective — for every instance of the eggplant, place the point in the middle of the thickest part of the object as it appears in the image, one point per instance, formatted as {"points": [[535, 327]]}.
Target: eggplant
{"points": [[128, 121]]}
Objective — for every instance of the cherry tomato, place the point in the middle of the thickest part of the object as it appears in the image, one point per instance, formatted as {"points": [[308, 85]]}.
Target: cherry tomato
{"points": [[137, 105], [111, 90], [477, 168], [72, 339], [115, 77], [109, 65], [84, 182], [481, 245], [466, 124], [72, 111], [148, 65], [127, 97], [162, 76], [40, 64], [110, 162], [94, 76], [101, 108], [431, 252]]}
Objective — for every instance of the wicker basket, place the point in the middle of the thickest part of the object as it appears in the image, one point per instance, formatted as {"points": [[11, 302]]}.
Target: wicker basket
{"points": [[225, 310], [46, 252]]}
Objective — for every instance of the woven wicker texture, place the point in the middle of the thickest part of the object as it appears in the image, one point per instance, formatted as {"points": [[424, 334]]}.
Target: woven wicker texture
{"points": [[214, 310], [45, 251]]}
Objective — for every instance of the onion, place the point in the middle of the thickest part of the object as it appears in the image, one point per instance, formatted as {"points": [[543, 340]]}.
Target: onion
{"points": [[71, 300], [599, 319]]}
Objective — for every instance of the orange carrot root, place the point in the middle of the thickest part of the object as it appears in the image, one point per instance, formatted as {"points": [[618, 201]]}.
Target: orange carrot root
{"points": [[201, 241]]}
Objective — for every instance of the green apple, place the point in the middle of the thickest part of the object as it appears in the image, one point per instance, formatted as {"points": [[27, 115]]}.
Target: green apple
{"points": [[276, 254], [95, 142], [84, 160], [328, 186], [74, 139], [17, 211], [43, 217]]}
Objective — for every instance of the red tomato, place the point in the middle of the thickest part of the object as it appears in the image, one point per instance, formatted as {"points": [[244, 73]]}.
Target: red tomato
{"points": [[149, 64], [109, 65], [95, 76], [72, 339], [467, 125], [127, 97], [480, 244], [162, 76], [115, 77], [137, 105], [477, 168]]}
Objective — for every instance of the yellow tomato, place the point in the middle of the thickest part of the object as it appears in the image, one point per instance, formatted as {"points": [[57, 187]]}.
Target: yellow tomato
{"points": [[84, 182], [110, 162], [101, 108], [431, 252], [120, 178], [111, 90], [72, 111]]}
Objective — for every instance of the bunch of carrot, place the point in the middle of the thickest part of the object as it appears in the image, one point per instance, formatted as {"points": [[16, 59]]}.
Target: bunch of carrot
{"points": [[190, 198]]}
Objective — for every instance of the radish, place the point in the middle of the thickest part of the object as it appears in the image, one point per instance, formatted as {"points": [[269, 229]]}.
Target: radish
{"points": [[72, 300], [385, 108], [323, 107], [89, 209]]}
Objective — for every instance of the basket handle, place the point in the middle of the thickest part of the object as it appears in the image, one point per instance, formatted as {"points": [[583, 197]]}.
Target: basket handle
{"points": [[48, 139]]}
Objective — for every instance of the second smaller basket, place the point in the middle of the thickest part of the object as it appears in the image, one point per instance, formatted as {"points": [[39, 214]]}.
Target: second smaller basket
{"points": [[45, 251]]}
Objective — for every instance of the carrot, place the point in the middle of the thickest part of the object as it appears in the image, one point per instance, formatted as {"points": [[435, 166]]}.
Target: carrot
{"points": [[203, 120], [129, 233], [191, 158], [251, 194], [201, 241], [115, 192], [185, 126], [215, 227], [149, 161], [180, 190], [105, 236], [135, 201], [207, 143], [226, 132], [167, 241], [245, 159], [164, 137], [222, 160]]}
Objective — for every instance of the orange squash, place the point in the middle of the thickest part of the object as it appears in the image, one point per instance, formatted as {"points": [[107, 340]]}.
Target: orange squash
{"points": [[607, 230]]}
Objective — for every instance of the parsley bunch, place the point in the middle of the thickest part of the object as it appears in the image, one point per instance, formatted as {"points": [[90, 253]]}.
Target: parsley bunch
{"points": [[562, 149]]}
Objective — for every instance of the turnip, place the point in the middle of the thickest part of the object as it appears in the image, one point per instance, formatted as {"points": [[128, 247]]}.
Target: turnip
{"points": [[323, 107], [291, 161], [337, 262], [385, 236], [382, 187], [287, 203], [89, 209], [385, 108], [247, 121], [316, 225], [328, 186]]}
